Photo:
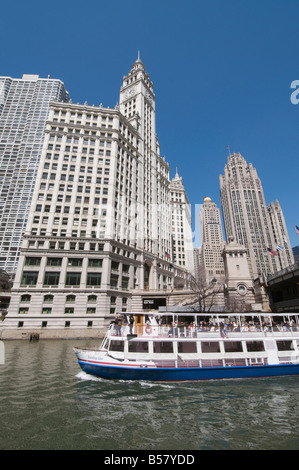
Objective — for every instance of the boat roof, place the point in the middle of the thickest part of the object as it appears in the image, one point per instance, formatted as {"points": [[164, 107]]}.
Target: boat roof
{"points": [[207, 314]]}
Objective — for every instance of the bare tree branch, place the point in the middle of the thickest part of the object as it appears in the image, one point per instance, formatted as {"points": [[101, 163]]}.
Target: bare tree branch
{"points": [[204, 292]]}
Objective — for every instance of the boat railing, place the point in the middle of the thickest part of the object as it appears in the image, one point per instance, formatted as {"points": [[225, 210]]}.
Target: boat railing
{"points": [[224, 362], [191, 331], [91, 348]]}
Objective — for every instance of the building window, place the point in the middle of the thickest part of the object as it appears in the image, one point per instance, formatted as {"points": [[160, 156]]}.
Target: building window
{"points": [[75, 262], [93, 279], [46, 310], [23, 310], [25, 298], [69, 310], [32, 261], [114, 265], [114, 280], [70, 298], [29, 278], [54, 261], [51, 278], [96, 263], [125, 282], [90, 310], [48, 298], [92, 298], [73, 279]]}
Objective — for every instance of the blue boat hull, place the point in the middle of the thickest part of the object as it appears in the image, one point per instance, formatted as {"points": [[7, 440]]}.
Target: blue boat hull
{"points": [[188, 374]]}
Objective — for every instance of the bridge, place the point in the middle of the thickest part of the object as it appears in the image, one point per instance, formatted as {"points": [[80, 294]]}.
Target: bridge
{"points": [[283, 289]]}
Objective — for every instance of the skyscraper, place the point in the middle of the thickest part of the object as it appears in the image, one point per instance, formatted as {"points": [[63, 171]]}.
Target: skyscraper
{"points": [[137, 105], [181, 225], [212, 240], [24, 108], [99, 226], [281, 237], [245, 214]]}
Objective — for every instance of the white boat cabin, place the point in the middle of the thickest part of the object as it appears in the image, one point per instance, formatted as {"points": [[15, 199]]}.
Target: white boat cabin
{"points": [[204, 340]]}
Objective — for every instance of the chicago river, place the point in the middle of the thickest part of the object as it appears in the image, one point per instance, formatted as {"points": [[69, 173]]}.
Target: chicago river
{"points": [[47, 402]]}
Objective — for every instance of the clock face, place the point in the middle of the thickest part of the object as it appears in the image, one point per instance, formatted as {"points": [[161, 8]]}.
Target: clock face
{"points": [[130, 93]]}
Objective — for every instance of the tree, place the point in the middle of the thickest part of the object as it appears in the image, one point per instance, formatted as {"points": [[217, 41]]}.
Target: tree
{"points": [[5, 281], [204, 292]]}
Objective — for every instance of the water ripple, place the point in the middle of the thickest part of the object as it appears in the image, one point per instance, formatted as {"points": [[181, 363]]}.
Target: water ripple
{"points": [[46, 402]]}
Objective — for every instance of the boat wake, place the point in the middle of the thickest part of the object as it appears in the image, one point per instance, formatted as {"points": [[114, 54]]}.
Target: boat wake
{"points": [[84, 376]]}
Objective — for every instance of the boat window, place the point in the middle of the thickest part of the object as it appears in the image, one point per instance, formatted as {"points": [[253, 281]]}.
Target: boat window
{"points": [[187, 347], [116, 345], [253, 346], [163, 347], [284, 345], [235, 362], [210, 347], [212, 363], [233, 346], [138, 346]]}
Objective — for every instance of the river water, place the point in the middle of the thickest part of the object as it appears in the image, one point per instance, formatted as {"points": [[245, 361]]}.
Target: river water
{"points": [[46, 402]]}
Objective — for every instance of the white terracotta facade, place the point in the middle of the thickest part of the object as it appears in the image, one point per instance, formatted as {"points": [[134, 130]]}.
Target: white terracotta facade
{"points": [[99, 230]]}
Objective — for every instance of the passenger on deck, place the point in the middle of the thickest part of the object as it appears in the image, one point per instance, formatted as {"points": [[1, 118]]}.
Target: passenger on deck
{"points": [[131, 323]]}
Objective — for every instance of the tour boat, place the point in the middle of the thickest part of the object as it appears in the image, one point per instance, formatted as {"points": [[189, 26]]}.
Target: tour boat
{"points": [[189, 347]]}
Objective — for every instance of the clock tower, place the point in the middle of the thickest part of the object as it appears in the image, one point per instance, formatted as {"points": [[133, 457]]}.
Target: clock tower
{"points": [[137, 104]]}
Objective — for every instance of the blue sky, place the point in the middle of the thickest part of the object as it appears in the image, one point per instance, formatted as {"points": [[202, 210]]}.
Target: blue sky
{"points": [[221, 69]]}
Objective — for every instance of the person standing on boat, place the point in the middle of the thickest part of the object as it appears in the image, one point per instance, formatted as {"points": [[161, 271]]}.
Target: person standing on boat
{"points": [[222, 330], [117, 322], [131, 323]]}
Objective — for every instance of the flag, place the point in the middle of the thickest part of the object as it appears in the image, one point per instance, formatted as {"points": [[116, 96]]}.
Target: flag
{"points": [[272, 252], [297, 229], [171, 266], [167, 254], [279, 247]]}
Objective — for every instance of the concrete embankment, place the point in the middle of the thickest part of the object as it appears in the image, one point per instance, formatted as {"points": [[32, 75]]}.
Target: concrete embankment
{"points": [[97, 333]]}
